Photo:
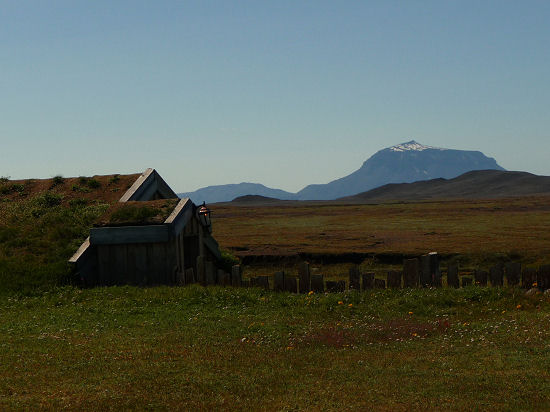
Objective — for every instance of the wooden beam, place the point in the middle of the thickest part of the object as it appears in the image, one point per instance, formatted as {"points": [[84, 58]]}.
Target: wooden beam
{"points": [[180, 216], [138, 186], [163, 188], [145, 187], [81, 250]]}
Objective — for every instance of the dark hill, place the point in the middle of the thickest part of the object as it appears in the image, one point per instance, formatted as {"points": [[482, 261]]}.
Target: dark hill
{"points": [[254, 200], [224, 193], [477, 184]]}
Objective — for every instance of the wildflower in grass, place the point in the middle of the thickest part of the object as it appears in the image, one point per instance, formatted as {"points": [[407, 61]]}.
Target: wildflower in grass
{"points": [[350, 305], [310, 293], [518, 307], [340, 302], [415, 334], [535, 284], [410, 313]]}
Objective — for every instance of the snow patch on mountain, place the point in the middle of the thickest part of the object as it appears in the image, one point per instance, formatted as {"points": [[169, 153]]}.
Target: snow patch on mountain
{"points": [[412, 146]]}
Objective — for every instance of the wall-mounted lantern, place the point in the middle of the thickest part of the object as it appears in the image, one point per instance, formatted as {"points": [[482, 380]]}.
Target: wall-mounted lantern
{"points": [[203, 213]]}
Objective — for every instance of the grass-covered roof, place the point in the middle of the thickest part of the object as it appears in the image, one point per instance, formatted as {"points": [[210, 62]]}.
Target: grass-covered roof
{"points": [[153, 212]]}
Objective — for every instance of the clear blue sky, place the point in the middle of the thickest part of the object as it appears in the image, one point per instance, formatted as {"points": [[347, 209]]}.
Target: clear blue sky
{"points": [[284, 93]]}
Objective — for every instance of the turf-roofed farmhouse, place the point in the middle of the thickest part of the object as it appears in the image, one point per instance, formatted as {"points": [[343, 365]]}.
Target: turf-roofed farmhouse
{"points": [[149, 237]]}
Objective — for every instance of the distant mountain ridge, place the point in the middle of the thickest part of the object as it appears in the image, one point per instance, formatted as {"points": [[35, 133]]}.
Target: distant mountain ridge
{"points": [[403, 163], [476, 184], [226, 193]]}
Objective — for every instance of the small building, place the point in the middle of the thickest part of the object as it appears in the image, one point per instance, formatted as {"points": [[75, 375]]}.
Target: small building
{"points": [[151, 237]]}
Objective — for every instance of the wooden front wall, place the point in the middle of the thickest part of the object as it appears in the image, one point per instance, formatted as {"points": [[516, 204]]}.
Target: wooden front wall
{"points": [[147, 264], [136, 264]]}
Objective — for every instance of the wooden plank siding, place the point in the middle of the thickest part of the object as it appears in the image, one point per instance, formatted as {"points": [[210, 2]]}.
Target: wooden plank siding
{"points": [[144, 264]]}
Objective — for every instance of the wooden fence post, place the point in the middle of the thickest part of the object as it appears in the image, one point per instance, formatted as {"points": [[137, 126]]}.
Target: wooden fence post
{"points": [[189, 276], [262, 282], [513, 273], [368, 280], [544, 277], [452, 276], [430, 274], [425, 271], [279, 281], [224, 278], [436, 271], [480, 277], [180, 278], [411, 273], [528, 278], [317, 284], [496, 275], [236, 275], [305, 279], [354, 278], [210, 272], [291, 285], [394, 279]]}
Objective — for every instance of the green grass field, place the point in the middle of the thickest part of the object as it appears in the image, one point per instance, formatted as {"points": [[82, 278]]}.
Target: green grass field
{"points": [[198, 348]]}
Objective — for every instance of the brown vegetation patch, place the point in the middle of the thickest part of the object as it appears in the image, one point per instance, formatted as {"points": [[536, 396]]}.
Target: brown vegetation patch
{"points": [[397, 330], [102, 189], [333, 336], [340, 336], [515, 225]]}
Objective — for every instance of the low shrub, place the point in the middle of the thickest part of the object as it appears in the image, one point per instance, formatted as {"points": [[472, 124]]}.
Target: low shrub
{"points": [[115, 179], [49, 199], [228, 260], [57, 180], [74, 203], [7, 189], [89, 182], [78, 188]]}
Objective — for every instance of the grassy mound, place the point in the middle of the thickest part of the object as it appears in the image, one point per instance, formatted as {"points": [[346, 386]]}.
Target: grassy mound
{"points": [[43, 222], [37, 236]]}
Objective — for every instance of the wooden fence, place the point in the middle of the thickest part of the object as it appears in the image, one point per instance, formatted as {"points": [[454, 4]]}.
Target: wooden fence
{"points": [[424, 271]]}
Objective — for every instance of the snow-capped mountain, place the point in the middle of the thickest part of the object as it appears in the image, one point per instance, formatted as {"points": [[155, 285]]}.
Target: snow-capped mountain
{"points": [[402, 163]]}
